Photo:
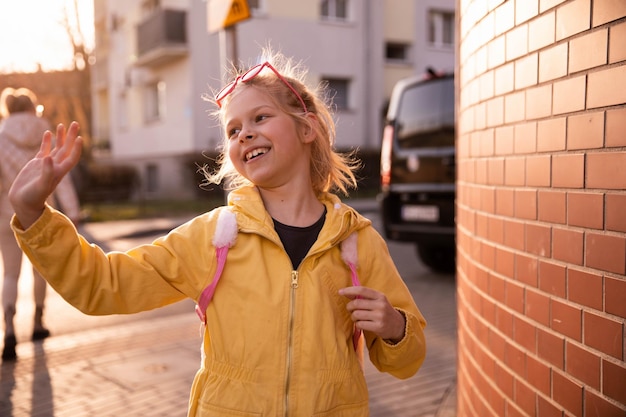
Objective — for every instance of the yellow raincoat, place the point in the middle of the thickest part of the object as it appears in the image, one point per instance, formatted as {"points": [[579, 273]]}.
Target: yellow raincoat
{"points": [[278, 342]]}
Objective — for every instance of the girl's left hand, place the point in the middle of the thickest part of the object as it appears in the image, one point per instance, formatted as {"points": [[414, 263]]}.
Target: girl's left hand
{"points": [[371, 311]]}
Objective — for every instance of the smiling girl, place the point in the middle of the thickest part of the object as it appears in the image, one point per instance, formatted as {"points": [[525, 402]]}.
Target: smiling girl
{"points": [[307, 280]]}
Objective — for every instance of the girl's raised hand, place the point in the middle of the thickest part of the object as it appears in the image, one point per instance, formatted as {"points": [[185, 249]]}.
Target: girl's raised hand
{"points": [[40, 176]]}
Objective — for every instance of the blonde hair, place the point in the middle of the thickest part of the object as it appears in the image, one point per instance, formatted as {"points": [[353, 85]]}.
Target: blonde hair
{"points": [[330, 170], [17, 100]]}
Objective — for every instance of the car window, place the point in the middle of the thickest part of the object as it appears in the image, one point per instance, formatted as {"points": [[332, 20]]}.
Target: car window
{"points": [[426, 115]]}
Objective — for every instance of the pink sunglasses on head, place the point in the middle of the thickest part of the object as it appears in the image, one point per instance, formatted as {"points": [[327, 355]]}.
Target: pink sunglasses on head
{"points": [[250, 74]]}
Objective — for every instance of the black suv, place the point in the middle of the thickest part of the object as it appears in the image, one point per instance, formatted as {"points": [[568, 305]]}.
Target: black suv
{"points": [[418, 168]]}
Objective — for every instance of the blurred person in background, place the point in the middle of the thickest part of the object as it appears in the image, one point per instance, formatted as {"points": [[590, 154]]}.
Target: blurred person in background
{"points": [[21, 129]]}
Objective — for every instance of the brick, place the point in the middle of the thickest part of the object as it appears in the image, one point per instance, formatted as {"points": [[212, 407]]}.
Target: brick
{"points": [[541, 31], [551, 135], [480, 116], [526, 269], [568, 170], [514, 234], [496, 52], [552, 278], [504, 17], [514, 295], [584, 288], [497, 346], [605, 11], [514, 171], [604, 334], [613, 377], [567, 393], [546, 408], [525, 334], [495, 171], [566, 319], [615, 294], [616, 125], [526, 71], [553, 62], [504, 79], [585, 210], [514, 107], [505, 202], [602, 89], [582, 364], [516, 42], [525, 10], [548, 4], [487, 256], [538, 375], [481, 175], [504, 323], [514, 358], [588, 51], [569, 94], [525, 138], [606, 252], [617, 46], [567, 245], [598, 406], [572, 18], [488, 199], [551, 206], [495, 112], [538, 240], [551, 347], [585, 131], [486, 85], [538, 307], [504, 140], [539, 102], [538, 170], [605, 170], [525, 398], [504, 380], [495, 233], [526, 204]]}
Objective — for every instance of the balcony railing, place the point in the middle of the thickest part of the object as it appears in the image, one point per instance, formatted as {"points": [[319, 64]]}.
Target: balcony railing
{"points": [[162, 38]]}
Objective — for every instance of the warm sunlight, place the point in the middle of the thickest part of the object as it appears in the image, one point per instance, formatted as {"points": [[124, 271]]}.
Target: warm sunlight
{"points": [[32, 33]]}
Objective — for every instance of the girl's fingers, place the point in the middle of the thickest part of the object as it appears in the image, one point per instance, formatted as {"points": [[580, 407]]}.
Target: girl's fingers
{"points": [[46, 143]]}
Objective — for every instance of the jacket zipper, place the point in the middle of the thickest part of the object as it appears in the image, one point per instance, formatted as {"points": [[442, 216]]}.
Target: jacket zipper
{"points": [[294, 286]]}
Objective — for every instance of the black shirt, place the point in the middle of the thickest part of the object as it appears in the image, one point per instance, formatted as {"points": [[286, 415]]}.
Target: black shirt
{"points": [[298, 240]]}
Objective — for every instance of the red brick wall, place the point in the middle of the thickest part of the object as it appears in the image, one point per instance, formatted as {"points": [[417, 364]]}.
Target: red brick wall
{"points": [[541, 207]]}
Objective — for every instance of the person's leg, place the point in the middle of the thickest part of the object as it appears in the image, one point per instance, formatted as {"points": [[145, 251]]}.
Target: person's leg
{"points": [[39, 287], [12, 263]]}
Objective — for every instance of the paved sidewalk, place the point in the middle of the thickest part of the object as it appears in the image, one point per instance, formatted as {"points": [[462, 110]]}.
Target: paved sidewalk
{"points": [[144, 364]]}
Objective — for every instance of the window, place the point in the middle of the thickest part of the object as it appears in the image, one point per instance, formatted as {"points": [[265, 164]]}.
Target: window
{"points": [[338, 88], [398, 52], [440, 28], [334, 9], [154, 104], [150, 6]]}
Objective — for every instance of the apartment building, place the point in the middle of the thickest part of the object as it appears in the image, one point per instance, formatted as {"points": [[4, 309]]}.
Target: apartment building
{"points": [[156, 59]]}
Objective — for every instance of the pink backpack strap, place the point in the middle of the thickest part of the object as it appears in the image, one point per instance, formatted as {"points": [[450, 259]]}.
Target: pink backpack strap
{"points": [[225, 236], [350, 257]]}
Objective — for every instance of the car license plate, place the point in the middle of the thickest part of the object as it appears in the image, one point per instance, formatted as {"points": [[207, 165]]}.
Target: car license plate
{"points": [[420, 213]]}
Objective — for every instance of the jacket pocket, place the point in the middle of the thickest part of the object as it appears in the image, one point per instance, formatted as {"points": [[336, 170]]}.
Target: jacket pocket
{"points": [[209, 410], [352, 410]]}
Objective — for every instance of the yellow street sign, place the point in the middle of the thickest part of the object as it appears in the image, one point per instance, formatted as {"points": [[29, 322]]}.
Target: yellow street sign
{"points": [[224, 13]]}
